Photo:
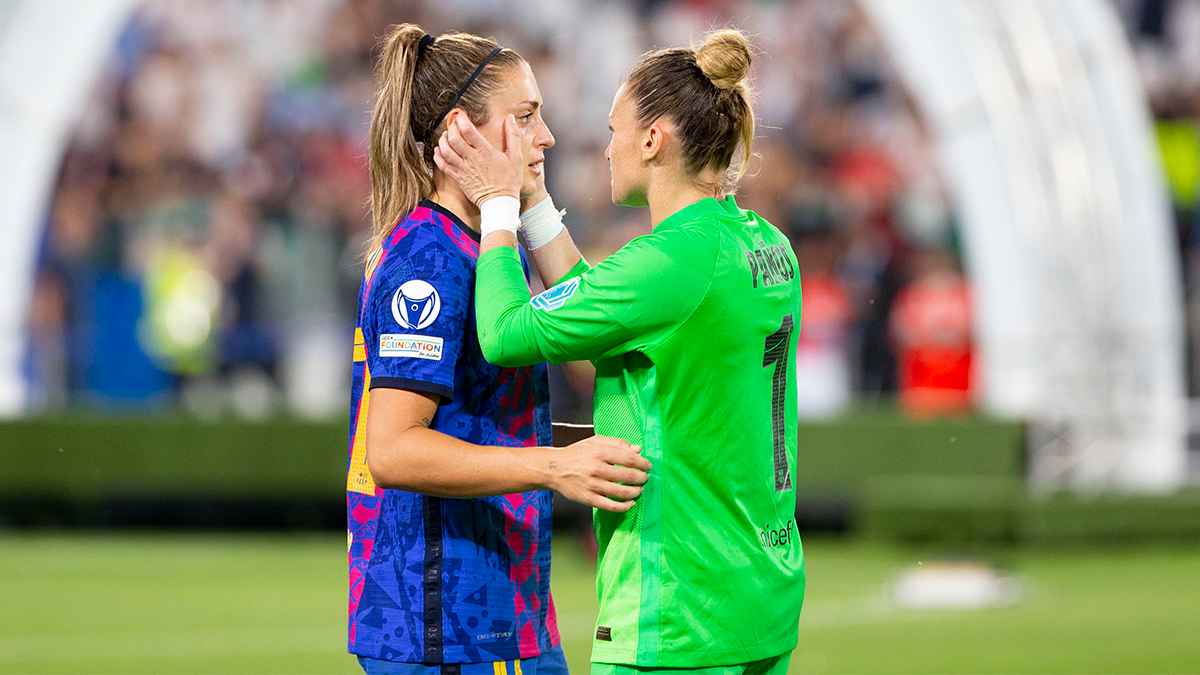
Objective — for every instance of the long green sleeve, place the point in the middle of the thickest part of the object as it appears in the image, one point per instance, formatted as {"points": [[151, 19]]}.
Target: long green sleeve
{"points": [[623, 304]]}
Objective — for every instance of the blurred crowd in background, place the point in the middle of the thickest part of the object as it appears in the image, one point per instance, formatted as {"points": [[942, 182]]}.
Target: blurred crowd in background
{"points": [[204, 245]]}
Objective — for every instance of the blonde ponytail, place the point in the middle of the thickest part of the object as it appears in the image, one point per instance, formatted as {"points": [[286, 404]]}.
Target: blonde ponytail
{"points": [[724, 58], [400, 178]]}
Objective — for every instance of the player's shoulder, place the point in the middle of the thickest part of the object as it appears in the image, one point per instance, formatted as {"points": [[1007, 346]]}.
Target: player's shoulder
{"points": [[683, 256], [696, 232], [707, 224], [430, 235], [666, 250], [693, 243], [438, 229]]}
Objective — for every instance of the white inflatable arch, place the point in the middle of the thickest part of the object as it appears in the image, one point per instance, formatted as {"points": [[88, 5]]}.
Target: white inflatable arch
{"points": [[50, 53], [1047, 145]]}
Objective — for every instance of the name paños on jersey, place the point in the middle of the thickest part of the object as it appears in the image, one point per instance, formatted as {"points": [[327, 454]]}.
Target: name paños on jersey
{"points": [[770, 265]]}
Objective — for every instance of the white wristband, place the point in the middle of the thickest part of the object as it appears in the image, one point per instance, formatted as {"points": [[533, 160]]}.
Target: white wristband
{"points": [[541, 223], [499, 213]]}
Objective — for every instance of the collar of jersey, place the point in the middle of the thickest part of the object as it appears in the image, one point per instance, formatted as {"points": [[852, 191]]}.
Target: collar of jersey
{"points": [[707, 207], [434, 206]]}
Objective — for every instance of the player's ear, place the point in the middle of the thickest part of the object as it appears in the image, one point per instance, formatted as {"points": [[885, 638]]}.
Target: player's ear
{"points": [[654, 139], [453, 115]]}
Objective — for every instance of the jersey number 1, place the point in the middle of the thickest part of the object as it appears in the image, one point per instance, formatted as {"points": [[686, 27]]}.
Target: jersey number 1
{"points": [[777, 353]]}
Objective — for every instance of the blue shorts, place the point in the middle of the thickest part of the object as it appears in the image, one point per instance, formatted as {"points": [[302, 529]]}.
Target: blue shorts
{"points": [[553, 662]]}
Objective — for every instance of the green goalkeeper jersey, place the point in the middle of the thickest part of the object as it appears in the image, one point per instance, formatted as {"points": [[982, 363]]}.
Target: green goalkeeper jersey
{"points": [[693, 333]]}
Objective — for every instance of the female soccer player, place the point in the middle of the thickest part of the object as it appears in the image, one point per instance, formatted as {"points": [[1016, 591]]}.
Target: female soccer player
{"points": [[448, 472], [693, 331]]}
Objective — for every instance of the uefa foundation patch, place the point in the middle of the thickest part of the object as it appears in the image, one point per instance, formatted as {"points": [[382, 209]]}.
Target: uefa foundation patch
{"points": [[412, 346]]}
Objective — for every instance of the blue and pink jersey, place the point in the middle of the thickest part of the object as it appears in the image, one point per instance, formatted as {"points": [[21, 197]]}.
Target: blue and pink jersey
{"points": [[436, 580]]}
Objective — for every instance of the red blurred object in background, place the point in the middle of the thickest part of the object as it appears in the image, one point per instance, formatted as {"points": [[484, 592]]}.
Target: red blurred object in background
{"points": [[931, 330], [822, 367]]}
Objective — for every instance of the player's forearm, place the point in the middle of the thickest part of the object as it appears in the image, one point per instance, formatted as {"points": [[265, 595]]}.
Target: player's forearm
{"points": [[428, 462], [550, 244], [557, 259], [500, 295]]}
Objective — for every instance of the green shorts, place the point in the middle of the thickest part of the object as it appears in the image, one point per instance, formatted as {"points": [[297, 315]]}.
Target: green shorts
{"points": [[777, 665]]}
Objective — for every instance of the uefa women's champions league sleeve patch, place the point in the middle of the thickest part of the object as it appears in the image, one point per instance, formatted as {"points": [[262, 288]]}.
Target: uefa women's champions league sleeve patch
{"points": [[553, 298], [416, 304]]}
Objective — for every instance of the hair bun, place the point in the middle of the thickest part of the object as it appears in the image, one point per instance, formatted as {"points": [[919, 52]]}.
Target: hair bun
{"points": [[724, 57]]}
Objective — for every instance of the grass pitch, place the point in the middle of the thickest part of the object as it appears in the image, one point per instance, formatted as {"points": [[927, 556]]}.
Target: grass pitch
{"points": [[192, 603]]}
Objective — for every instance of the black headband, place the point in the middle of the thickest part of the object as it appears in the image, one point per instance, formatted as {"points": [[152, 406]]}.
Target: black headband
{"points": [[426, 40], [464, 89]]}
